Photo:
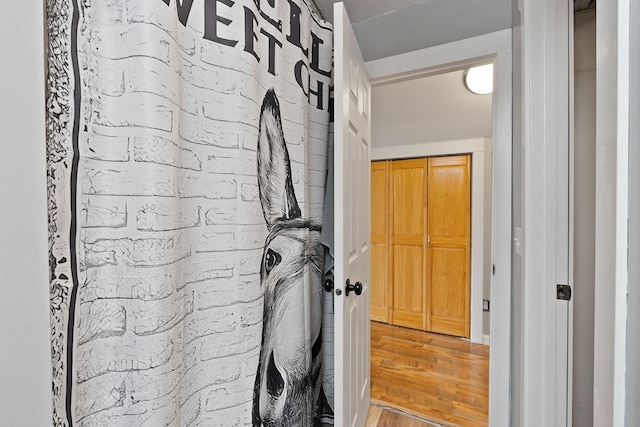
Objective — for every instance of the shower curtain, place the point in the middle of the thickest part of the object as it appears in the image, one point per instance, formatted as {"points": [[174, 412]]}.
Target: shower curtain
{"points": [[187, 163]]}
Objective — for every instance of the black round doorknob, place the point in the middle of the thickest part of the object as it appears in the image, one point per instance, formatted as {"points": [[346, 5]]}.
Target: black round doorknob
{"points": [[328, 285], [357, 288]]}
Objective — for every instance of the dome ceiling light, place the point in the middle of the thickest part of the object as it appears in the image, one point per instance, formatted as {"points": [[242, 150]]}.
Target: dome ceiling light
{"points": [[479, 79]]}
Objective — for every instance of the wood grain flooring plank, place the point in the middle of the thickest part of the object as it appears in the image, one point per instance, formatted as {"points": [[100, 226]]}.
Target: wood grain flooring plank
{"points": [[435, 377], [373, 416], [384, 416], [472, 373]]}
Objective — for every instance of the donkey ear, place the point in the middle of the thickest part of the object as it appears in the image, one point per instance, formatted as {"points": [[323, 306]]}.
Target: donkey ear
{"points": [[274, 168]]}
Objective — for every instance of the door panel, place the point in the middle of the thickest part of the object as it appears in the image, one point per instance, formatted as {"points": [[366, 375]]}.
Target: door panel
{"points": [[408, 286], [448, 290], [408, 240], [449, 197], [352, 225], [408, 205], [449, 236], [380, 285]]}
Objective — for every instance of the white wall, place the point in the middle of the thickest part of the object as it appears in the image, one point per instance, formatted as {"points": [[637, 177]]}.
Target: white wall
{"points": [[584, 215], [428, 109], [25, 398]]}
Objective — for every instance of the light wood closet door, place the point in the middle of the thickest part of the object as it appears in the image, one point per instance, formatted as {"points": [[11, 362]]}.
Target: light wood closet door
{"points": [[449, 202], [408, 242], [380, 285]]}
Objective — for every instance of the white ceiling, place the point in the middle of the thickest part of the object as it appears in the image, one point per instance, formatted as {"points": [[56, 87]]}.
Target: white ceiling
{"points": [[360, 10], [390, 27], [431, 109]]}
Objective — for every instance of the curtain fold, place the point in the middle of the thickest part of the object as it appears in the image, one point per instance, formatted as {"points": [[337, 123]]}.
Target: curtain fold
{"points": [[187, 165]]}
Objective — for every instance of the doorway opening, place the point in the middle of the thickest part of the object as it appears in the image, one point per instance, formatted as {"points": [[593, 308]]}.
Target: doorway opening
{"points": [[430, 251], [494, 257]]}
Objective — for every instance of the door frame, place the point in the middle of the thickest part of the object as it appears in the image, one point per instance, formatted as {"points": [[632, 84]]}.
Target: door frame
{"points": [[617, 208], [453, 56], [544, 386]]}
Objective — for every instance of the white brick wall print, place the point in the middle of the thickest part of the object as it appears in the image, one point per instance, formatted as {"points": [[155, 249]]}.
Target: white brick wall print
{"points": [[187, 160]]}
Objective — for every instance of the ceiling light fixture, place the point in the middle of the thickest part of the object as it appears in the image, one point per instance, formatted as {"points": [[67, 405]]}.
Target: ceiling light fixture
{"points": [[479, 79]]}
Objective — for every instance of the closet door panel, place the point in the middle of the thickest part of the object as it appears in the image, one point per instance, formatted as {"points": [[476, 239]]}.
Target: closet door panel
{"points": [[380, 284], [408, 198], [448, 290], [408, 286], [449, 235], [408, 242]]}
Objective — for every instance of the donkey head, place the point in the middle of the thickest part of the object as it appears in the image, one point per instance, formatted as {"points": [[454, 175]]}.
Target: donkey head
{"points": [[287, 387]]}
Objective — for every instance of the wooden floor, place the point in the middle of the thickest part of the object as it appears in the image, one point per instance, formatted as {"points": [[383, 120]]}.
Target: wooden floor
{"points": [[384, 417], [432, 376]]}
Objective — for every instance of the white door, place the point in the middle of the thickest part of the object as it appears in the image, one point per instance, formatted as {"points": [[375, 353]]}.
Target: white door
{"points": [[352, 228]]}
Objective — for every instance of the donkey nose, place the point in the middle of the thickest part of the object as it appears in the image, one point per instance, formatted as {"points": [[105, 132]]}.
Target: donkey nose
{"points": [[275, 382]]}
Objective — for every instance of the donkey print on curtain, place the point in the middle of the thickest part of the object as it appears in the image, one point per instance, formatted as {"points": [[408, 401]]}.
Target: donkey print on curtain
{"points": [[187, 162]]}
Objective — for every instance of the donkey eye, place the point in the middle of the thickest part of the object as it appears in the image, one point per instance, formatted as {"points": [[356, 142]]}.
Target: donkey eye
{"points": [[271, 260]]}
